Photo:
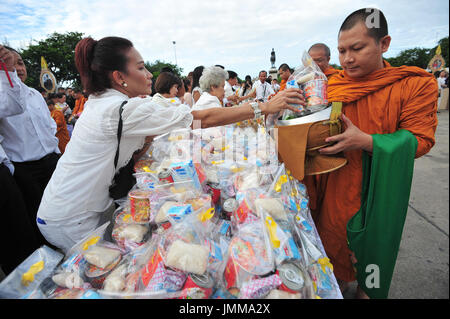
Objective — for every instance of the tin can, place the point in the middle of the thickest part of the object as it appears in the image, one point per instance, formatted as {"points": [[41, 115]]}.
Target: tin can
{"points": [[96, 275], [229, 207], [291, 277], [165, 176], [214, 190], [198, 287], [139, 205]]}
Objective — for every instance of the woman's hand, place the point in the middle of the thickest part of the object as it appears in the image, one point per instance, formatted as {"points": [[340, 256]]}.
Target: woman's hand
{"points": [[352, 138], [283, 100], [139, 153]]}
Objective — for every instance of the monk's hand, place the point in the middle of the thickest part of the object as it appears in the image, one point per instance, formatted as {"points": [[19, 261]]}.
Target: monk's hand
{"points": [[283, 100], [352, 139]]}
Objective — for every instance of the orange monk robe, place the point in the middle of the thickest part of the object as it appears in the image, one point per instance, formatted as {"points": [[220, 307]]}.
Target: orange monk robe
{"points": [[61, 129], [79, 106], [383, 102], [282, 87], [330, 72]]}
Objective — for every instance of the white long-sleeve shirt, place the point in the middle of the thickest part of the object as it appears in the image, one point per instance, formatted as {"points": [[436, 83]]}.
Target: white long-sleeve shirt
{"points": [[11, 103], [206, 101], [82, 177], [263, 90], [30, 135]]}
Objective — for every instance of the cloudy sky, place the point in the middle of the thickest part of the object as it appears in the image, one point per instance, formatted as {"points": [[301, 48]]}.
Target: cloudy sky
{"points": [[237, 34]]}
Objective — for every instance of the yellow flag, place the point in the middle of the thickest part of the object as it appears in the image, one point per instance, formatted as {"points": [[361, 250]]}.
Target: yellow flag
{"points": [[438, 50], [43, 64]]}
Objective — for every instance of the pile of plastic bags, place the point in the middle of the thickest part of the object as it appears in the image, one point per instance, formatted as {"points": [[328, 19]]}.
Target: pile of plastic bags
{"points": [[213, 215]]}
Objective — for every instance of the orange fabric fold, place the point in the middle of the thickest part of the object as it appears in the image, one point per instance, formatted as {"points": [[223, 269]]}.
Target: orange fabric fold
{"points": [[385, 101], [61, 129], [330, 72]]}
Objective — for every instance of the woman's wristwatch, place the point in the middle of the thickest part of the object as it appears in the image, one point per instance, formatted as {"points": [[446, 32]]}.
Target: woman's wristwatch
{"points": [[256, 109]]}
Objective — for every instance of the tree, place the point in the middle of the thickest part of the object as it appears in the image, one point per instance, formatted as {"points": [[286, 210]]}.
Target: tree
{"points": [[59, 52], [155, 68], [412, 57]]}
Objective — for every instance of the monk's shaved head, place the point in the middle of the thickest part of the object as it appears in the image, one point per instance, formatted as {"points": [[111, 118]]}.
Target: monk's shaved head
{"points": [[372, 18], [321, 46]]}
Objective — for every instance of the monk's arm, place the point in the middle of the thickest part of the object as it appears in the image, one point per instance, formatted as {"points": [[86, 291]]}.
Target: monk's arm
{"points": [[418, 114]]}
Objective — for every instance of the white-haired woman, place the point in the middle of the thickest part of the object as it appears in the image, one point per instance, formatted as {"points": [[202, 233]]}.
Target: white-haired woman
{"points": [[212, 83]]}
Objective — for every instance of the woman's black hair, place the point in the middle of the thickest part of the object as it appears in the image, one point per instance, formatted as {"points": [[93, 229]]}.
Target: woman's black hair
{"points": [[95, 60], [196, 76]]}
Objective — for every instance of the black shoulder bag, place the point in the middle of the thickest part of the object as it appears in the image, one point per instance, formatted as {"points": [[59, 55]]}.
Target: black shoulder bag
{"points": [[123, 180]]}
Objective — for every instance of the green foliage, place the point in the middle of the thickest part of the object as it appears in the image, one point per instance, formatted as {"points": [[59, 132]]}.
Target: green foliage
{"points": [[59, 52], [155, 68], [420, 56], [337, 67], [412, 57]]}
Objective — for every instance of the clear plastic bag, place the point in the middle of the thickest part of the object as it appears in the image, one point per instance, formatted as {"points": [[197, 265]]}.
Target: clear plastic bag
{"points": [[313, 82], [24, 281]]}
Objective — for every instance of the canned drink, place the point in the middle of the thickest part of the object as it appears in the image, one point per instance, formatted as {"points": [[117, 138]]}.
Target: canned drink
{"points": [[198, 287], [291, 277], [139, 205], [165, 176], [229, 207]]}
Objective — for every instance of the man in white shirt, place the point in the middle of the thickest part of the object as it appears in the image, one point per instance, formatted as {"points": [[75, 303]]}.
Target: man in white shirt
{"points": [[18, 231], [230, 95], [29, 139], [263, 89]]}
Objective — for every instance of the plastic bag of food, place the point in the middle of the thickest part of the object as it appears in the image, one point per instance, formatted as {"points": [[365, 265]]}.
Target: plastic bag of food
{"points": [[313, 82], [128, 234], [24, 281], [182, 247]]}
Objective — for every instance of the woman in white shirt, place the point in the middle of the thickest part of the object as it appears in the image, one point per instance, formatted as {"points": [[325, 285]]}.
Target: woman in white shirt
{"points": [[166, 87], [76, 199], [212, 84]]}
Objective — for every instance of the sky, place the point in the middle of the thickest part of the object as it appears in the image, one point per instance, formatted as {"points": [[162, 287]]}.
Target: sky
{"points": [[239, 35]]}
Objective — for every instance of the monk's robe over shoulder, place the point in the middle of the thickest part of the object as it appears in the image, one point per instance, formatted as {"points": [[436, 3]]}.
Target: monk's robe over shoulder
{"points": [[330, 72]]}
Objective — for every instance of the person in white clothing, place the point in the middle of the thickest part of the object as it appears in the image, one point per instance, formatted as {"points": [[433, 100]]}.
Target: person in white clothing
{"points": [[196, 90], [77, 200], [167, 86], [263, 89], [212, 84], [29, 139], [230, 94], [19, 229]]}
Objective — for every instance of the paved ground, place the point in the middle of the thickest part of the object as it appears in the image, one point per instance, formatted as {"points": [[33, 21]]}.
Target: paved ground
{"points": [[422, 268]]}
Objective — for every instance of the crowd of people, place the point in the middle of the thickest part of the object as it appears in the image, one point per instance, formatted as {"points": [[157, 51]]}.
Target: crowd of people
{"points": [[55, 181]]}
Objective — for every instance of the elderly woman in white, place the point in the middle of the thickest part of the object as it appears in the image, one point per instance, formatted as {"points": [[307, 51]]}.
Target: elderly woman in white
{"points": [[76, 200], [212, 83]]}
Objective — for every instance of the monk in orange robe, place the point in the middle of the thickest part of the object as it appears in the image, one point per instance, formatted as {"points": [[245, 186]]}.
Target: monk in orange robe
{"points": [[61, 127], [377, 99], [79, 106], [321, 54], [285, 72]]}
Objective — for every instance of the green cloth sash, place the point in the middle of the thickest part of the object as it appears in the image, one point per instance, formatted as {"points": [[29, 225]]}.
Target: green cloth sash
{"points": [[375, 231]]}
